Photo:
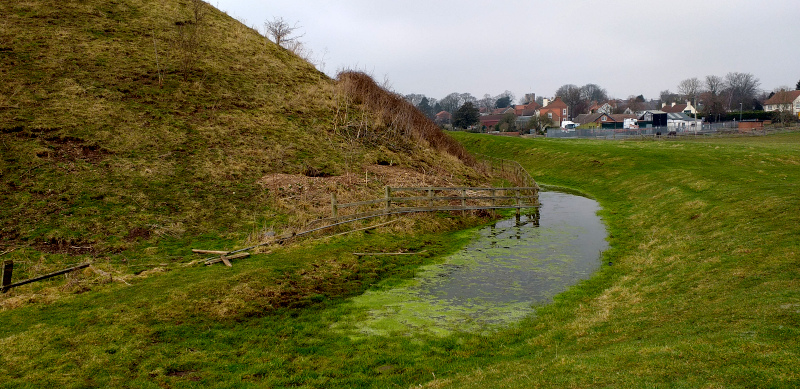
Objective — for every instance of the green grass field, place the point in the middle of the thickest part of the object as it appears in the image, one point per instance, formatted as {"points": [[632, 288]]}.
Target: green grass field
{"points": [[699, 289]]}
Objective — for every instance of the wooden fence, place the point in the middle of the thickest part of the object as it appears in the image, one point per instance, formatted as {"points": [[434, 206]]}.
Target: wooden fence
{"points": [[432, 199], [507, 169]]}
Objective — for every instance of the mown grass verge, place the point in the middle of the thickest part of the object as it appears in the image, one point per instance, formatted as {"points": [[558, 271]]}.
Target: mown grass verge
{"points": [[703, 288]]}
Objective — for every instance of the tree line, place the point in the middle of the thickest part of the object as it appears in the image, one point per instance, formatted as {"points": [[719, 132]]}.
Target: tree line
{"points": [[714, 96]]}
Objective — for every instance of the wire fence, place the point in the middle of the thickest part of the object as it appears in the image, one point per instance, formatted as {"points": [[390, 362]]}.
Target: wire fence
{"points": [[707, 129]]}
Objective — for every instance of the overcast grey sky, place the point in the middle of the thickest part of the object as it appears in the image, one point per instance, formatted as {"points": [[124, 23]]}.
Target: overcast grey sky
{"points": [[628, 47]]}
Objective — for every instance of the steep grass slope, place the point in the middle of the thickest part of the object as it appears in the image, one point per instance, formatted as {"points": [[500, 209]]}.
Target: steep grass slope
{"points": [[130, 124]]}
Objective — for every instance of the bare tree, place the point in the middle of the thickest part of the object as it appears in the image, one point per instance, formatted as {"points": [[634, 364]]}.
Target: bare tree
{"points": [[281, 32], [593, 92], [487, 102], [571, 95], [689, 89], [414, 98], [742, 89], [452, 102], [540, 123]]}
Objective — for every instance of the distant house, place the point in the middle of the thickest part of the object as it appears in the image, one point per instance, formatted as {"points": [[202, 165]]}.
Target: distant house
{"points": [[784, 101], [606, 107], [599, 118], [653, 118], [526, 109], [443, 117], [680, 121], [490, 121], [557, 110], [686, 108], [502, 111]]}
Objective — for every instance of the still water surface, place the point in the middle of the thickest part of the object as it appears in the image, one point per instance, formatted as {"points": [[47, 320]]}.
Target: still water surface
{"points": [[495, 280]]}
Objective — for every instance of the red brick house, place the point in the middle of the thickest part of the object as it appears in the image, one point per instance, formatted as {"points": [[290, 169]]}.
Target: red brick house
{"points": [[557, 111], [490, 120], [526, 109], [443, 117]]}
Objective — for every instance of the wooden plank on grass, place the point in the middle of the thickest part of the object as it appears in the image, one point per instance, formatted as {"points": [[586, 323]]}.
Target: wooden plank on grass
{"points": [[199, 251], [228, 258]]}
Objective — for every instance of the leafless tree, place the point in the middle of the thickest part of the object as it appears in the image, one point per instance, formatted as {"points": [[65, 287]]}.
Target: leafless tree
{"points": [[414, 98], [571, 95], [540, 123], [742, 89], [281, 32], [451, 102], [190, 36], [593, 92], [487, 102], [689, 89], [714, 84]]}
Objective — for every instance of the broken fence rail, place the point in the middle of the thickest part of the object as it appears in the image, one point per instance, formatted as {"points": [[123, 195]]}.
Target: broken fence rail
{"points": [[8, 269]]}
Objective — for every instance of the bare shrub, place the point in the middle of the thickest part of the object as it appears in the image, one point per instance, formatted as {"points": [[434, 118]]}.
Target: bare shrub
{"points": [[392, 120], [189, 37]]}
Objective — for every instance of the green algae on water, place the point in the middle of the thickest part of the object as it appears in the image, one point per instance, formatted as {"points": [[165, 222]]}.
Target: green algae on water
{"points": [[496, 280]]}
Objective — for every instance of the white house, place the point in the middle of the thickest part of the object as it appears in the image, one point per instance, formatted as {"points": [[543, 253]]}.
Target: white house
{"points": [[686, 108], [784, 101], [680, 121]]}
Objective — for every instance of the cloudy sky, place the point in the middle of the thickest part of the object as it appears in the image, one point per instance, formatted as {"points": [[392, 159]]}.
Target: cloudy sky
{"points": [[628, 47]]}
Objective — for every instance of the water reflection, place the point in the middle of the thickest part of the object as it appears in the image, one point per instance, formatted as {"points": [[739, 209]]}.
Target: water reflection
{"points": [[509, 267]]}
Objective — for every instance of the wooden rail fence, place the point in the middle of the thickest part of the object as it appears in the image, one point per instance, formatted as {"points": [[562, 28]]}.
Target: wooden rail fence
{"points": [[432, 199]]}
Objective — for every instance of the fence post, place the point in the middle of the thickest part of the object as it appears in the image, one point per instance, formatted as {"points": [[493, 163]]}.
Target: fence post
{"points": [[388, 199], [8, 269], [518, 204], [334, 208], [430, 198]]}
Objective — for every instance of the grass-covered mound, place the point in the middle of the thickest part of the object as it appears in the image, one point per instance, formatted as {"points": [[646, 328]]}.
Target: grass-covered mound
{"points": [[134, 128]]}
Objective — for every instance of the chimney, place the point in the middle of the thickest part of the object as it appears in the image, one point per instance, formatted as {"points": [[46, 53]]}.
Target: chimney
{"points": [[673, 103], [545, 102], [663, 105]]}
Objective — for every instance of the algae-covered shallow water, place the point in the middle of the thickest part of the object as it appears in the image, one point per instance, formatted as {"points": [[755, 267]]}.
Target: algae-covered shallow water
{"points": [[495, 280]]}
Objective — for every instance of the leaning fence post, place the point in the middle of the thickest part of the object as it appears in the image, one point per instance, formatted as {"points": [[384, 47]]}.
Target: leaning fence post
{"points": [[388, 199], [334, 208], [8, 269]]}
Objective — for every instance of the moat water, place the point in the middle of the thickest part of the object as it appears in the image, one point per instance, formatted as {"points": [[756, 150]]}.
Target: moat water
{"points": [[497, 279]]}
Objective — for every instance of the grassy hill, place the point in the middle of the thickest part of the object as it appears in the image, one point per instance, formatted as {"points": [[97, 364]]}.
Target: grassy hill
{"points": [[134, 129]]}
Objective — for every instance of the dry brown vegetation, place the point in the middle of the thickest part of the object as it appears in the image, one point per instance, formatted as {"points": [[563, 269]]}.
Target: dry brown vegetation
{"points": [[392, 117]]}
